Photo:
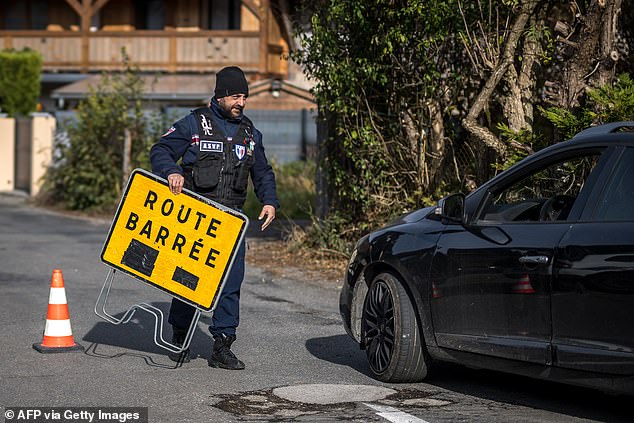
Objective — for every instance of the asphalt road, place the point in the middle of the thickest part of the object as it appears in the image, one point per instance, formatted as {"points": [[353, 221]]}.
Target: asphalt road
{"points": [[300, 364]]}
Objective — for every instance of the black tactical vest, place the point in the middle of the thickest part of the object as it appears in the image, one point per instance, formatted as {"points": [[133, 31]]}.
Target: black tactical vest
{"points": [[221, 169]]}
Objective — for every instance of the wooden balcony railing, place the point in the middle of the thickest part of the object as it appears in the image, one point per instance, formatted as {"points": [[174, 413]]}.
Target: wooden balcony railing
{"points": [[166, 51]]}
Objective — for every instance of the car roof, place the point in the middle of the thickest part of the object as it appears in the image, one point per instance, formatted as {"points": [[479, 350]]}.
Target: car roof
{"points": [[608, 128], [610, 134], [615, 133]]}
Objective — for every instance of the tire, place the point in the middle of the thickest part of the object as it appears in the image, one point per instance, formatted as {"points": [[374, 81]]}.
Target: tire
{"points": [[393, 343]]}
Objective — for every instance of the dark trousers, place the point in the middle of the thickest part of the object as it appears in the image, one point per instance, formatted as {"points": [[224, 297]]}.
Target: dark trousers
{"points": [[226, 316]]}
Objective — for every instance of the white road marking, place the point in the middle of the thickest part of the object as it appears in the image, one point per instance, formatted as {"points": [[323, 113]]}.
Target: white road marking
{"points": [[394, 414]]}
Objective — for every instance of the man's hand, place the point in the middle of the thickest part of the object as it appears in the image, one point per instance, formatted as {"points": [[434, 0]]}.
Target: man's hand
{"points": [[269, 211], [176, 182]]}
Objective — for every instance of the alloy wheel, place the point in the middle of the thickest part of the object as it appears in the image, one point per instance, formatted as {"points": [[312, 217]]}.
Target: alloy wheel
{"points": [[379, 326]]}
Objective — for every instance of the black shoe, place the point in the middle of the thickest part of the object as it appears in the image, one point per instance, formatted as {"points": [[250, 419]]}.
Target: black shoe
{"points": [[178, 337], [222, 356]]}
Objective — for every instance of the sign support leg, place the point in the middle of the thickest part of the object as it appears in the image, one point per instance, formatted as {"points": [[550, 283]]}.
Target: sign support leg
{"points": [[100, 310]]}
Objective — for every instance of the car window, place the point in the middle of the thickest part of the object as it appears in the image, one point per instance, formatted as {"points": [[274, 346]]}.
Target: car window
{"points": [[547, 194], [617, 201]]}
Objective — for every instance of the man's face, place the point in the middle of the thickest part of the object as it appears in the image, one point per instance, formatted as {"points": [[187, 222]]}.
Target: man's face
{"points": [[233, 105]]}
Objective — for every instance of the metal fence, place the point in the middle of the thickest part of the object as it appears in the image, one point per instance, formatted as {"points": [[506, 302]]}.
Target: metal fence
{"points": [[288, 135]]}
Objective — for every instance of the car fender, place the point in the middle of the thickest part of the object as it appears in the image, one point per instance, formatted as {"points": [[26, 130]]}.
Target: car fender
{"points": [[406, 251]]}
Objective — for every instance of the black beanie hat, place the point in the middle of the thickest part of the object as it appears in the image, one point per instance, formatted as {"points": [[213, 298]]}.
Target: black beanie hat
{"points": [[230, 81]]}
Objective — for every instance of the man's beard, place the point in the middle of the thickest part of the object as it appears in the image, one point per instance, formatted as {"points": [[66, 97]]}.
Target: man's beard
{"points": [[232, 112]]}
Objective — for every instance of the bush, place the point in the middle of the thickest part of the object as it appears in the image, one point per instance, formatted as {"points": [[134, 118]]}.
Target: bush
{"points": [[87, 174], [19, 81], [295, 189]]}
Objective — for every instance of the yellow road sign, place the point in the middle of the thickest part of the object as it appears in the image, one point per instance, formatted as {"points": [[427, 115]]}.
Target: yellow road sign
{"points": [[183, 244]]}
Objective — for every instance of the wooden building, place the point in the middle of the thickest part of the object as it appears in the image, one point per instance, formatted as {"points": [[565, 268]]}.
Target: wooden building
{"points": [[167, 36], [178, 45]]}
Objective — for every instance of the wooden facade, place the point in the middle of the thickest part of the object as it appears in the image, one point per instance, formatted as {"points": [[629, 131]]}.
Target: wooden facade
{"points": [[171, 36]]}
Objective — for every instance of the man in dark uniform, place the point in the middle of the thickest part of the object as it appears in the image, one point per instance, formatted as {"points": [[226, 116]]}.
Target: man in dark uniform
{"points": [[219, 148]]}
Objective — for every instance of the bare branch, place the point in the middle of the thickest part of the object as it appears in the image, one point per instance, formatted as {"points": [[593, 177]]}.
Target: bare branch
{"points": [[470, 121]]}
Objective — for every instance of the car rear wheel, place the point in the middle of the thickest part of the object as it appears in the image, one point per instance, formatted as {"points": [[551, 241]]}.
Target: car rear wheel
{"points": [[393, 342]]}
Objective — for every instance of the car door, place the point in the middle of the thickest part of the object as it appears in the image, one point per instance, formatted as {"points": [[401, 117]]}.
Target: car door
{"points": [[491, 279], [593, 287]]}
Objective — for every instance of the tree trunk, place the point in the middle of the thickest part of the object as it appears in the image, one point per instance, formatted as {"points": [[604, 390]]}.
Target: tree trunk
{"points": [[321, 181], [470, 122], [127, 156], [428, 147], [513, 103], [436, 144], [416, 141], [592, 56], [518, 105]]}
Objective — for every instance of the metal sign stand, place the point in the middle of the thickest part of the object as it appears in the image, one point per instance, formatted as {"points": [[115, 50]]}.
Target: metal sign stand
{"points": [[100, 310]]}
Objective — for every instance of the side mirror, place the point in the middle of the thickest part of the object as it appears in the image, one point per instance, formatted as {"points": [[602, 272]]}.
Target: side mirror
{"points": [[451, 208]]}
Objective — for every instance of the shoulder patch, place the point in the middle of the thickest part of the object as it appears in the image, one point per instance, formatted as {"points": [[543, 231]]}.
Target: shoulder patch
{"points": [[169, 131]]}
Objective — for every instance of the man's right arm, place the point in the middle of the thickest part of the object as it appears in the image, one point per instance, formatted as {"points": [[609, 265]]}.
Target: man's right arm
{"points": [[165, 154]]}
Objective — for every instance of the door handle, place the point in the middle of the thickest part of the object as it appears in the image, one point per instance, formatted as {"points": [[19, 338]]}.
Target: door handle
{"points": [[534, 259]]}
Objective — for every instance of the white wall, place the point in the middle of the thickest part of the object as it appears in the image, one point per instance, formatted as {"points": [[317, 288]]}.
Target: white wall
{"points": [[7, 153]]}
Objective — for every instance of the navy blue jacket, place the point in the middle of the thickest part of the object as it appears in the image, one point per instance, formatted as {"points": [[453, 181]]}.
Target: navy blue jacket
{"points": [[181, 141]]}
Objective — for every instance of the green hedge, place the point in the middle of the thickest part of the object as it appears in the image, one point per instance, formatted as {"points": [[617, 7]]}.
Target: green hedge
{"points": [[19, 81]]}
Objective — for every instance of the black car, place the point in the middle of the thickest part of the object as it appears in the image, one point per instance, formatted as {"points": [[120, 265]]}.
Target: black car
{"points": [[532, 273]]}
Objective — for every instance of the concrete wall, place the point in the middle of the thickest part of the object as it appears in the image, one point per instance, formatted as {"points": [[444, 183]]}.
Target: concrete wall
{"points": [[43, 133], [26, 151], [7, 153]]}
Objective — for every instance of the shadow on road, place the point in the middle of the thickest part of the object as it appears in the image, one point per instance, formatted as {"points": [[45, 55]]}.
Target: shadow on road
{"points": [[570, 401], [338, 349], [92, 351], [512, 389], [138, 335]]}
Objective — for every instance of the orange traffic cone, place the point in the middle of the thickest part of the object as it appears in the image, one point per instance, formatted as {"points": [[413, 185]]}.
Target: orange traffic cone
{"points": [[523, 286], [58, 336]]}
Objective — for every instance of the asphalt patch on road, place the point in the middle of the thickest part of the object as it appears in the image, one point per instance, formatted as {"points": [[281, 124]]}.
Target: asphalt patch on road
{"points": [[264, 405]]}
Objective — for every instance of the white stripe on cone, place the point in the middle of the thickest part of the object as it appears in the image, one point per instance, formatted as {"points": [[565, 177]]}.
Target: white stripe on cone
{"points": [[57, 296], [57, 328]]}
